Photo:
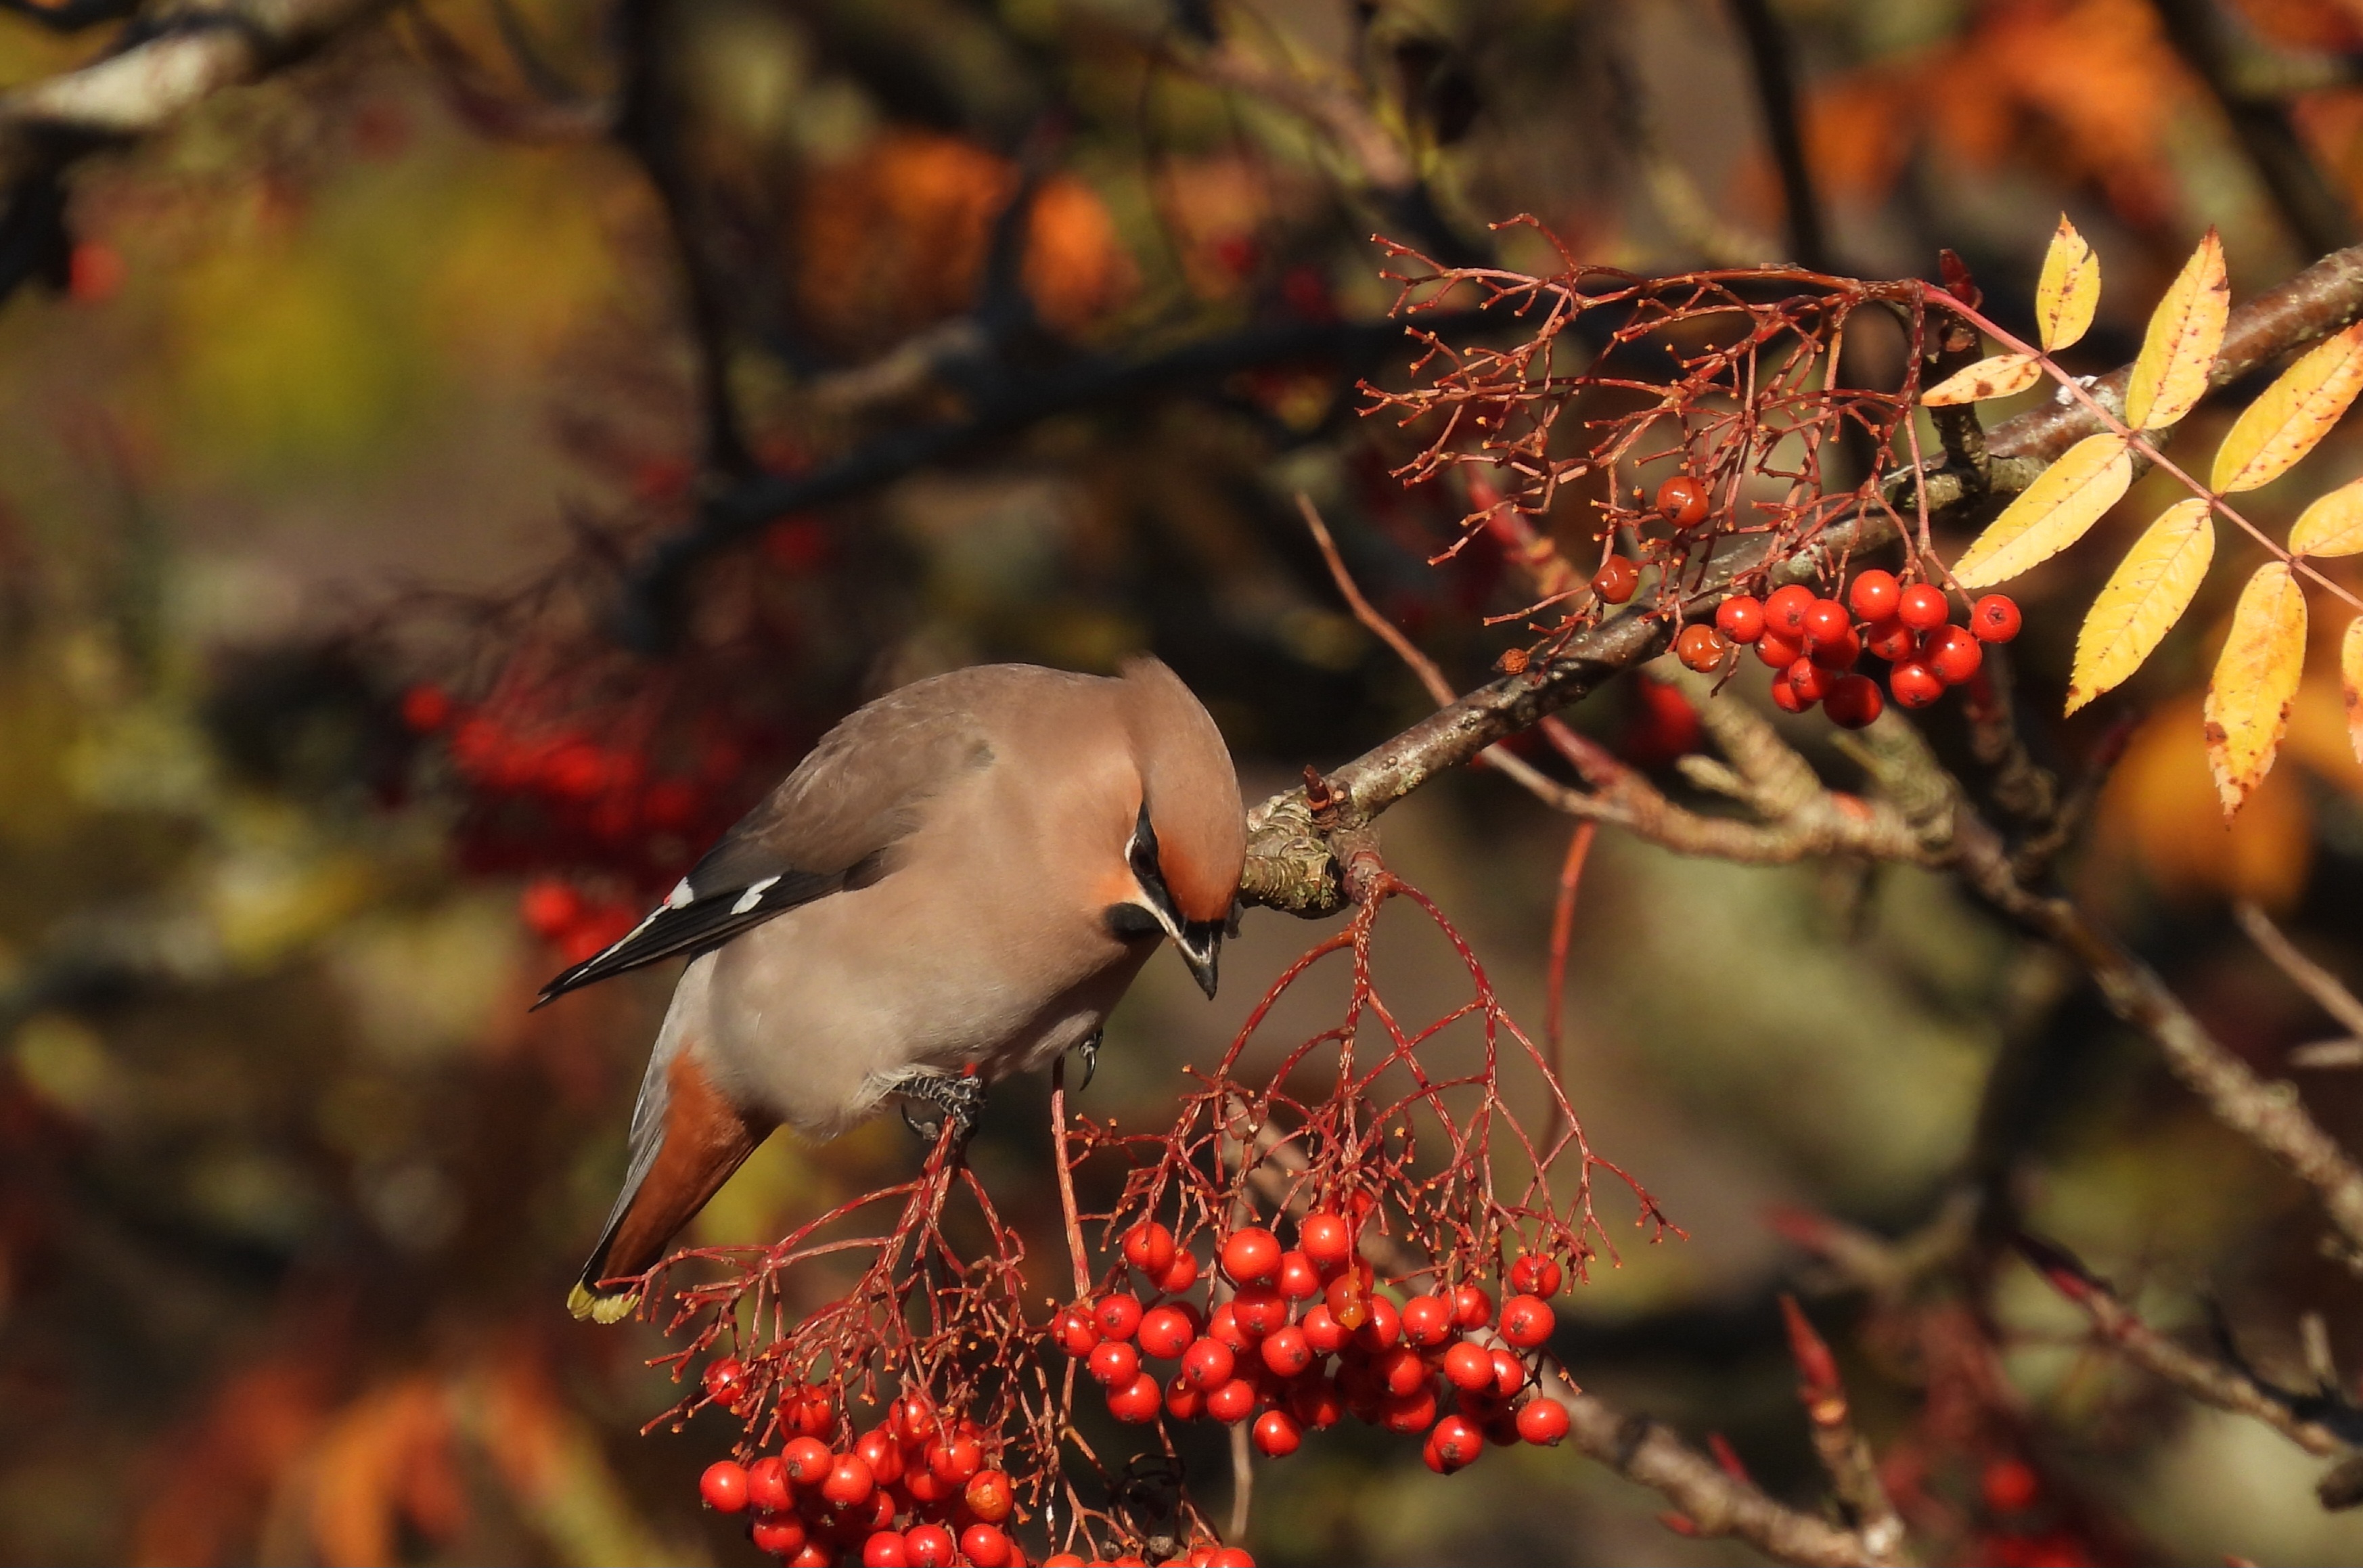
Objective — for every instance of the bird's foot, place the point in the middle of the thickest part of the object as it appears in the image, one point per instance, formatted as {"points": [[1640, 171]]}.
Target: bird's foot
{"points": [[1089, 1049], [959, 1096]]}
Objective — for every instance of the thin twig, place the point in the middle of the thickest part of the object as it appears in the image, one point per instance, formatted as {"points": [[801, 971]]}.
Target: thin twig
{"points": [[2309, 976], [1570, 875], [1845, 1454]]}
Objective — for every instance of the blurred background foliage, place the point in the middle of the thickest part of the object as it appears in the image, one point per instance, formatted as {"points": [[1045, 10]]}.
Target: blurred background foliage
{"points": [[321, 480]]}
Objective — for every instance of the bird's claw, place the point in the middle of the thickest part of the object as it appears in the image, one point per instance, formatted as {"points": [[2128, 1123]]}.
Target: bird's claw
{"points": [[1089, 1048], [959, 1095]]}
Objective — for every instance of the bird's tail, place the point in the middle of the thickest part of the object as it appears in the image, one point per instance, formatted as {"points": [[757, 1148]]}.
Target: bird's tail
{"points": [[700, 1139]]}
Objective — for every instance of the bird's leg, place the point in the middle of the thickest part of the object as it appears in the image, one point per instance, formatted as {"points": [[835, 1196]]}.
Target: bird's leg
{"points": [[1090, 1048], [959, 1095]]}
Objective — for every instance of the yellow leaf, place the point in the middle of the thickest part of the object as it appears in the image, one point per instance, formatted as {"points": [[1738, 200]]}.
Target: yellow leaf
{"points": [[2068, 289], [2050, 514], [2333, 524], [2256, 677], [2145, 596], [1997, 377], [2179, 347], [2294, 413], [2350, 679]]}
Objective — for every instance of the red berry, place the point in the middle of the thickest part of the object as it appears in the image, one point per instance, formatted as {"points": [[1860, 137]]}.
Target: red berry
{"points": [[850, 1481], [1403, 1370], [1118, 1316], [1326, 1239], [1135, 1403], [1453, 1445], [814, 1555], [1854, 701], [1875, 594], [1426, 1321], [1778, 650], [1469, 1367], [767, 1485], [1526, 1321], [1076, 1333], [1115, 1364], [1825, 622], [1180, 1274], [1258, 1309], [1165, 1332], [956, 1461], [1542, 1421], [1682, 501], [1914, 684], [1224, 1327], [1231, 1557], [1347, 1301], [1286, 1352], [2009, 1485], [1809, 680], [1994, 619], [1537, 1273], [1314, 1402], [1409, 1413], [1509, 1374], [1922, 607], [1251, 1255], [1616, 580], [985, 1546], [1233, 1402], [930, 1546], [913, 1419], [1785, 697], [723, 1486], [1148, 1247], [808, 1461], [1784, 611], [882, 1451], [1323, 1332], [1208, 1364], [1184, 1400], [1299, 1280], [1740, 617], [1839, 655], [1382, 1329], [1277, 1435], [1700, 647], [885, 1548], [781, 1535], [1890, 641], [990, 1494], [1952, 655], [1471, 1307], [725, 1381]]}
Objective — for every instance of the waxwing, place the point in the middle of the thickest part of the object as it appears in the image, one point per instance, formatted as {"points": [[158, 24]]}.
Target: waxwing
{"points": [[957, 883]]}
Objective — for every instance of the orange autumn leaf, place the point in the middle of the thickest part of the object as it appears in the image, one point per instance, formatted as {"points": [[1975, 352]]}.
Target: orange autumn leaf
{"points": [[2143, 599], [2000, 376], [2350, 681], [2179, 346], [2256, 677], [2051, 513], [2293, 415], [2069, 290]]}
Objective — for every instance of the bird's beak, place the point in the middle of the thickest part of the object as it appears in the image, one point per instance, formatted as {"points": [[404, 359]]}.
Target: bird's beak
{"points": [[1200, 943]]}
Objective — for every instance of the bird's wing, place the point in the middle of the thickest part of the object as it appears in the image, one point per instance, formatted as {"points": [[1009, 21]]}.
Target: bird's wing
{"points": [[834, 822]]}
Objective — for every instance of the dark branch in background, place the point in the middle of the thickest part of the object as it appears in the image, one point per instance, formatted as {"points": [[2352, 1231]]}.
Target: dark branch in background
{"points": [[649, 120], [1769, 63], [152, 76], [2317, 216], [648, 613], [70, 15]]}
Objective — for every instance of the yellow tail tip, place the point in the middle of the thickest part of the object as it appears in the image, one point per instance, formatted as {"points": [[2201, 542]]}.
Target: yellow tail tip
{"points": [[584, 1302]]}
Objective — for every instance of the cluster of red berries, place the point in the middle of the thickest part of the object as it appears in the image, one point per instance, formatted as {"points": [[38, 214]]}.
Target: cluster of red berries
{"points": [[914, 1490], [1812, 644], [1307, 1337], [588, 802]]}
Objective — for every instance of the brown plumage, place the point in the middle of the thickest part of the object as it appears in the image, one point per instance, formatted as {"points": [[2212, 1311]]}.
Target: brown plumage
{"points": [[957, 883]]}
